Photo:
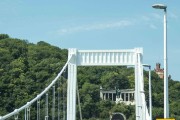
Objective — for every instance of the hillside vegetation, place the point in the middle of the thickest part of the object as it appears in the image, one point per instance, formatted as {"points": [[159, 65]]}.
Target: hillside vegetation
{"points": [[26, 69]]}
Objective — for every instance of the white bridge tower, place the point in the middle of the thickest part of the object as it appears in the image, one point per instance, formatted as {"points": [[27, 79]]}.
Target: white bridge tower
{"points": [[128, 57]]}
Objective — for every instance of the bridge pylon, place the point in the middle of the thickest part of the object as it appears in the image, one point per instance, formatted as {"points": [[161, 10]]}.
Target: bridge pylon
{"points": [[127, 57]]}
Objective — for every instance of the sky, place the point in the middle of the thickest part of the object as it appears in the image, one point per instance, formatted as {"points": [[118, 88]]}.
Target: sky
{"points": [[97, 24]]}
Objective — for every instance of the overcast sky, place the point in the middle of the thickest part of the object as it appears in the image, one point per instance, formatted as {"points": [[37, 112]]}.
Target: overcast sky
{"points": [[97, 24]]}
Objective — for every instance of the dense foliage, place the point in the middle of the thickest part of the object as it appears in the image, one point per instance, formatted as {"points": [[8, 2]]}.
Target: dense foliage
{"points": [[26, 69]]}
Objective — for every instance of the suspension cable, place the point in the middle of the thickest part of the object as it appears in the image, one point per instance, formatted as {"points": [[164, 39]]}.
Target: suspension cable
{"points": [[53, 105], [38, 109], [79, 103], [16, 117], [59, 83], [64, 111], [46, 107], [28, 110], [25, 114], [38, 96]]}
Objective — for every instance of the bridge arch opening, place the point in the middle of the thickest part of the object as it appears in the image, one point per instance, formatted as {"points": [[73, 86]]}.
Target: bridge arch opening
{"points": [[128, 57]]}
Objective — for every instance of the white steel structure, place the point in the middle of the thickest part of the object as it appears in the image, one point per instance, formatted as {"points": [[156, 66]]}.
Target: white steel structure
{"points": [[129, 57], [166, 98], [26, 107]]}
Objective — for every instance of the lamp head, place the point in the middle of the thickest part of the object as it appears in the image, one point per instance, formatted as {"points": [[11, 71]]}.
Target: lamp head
{"points": [[159, 6]]}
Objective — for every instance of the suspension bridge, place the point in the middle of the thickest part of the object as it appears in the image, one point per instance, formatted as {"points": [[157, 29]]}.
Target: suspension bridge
{"points": [[127, 57]]}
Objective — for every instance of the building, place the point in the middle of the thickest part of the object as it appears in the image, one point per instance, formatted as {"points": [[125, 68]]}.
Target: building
{"points": [[159, 71], [125, 96]]}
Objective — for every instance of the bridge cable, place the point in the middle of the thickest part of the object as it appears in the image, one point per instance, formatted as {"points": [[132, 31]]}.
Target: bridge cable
{"points": [[59, 83], [64, 108], [16, 117], [79, 103], [46, 107], [38, 109], [37, 97], [53, 105], [28, 112], [25, 114]]}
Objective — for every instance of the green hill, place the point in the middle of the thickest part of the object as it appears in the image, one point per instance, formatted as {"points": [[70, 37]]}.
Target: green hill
{"points": [[26, 69]]}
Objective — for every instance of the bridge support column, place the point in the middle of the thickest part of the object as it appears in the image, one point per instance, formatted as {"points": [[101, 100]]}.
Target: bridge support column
{"points": [[71, 89], [106, 58], [139, 87]]}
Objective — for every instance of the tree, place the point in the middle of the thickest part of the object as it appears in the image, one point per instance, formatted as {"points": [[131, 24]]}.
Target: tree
{"points": [[27, 68], [4, 36]]}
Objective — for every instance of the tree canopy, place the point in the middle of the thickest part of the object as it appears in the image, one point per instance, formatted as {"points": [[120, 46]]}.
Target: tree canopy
{"points": [[27, 68]]}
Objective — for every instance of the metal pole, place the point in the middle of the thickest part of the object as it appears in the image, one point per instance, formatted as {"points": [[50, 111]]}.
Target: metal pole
{"points": [[150, 95], [166, 101]]}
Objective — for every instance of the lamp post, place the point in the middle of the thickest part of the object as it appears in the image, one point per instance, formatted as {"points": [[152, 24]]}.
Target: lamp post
{"points": [[150, 93], [166, 101]]}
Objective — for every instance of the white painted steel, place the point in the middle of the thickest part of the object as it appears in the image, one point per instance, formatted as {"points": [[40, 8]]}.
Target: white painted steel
{"points": [[38, 110], [71, 88], [46, 108], [150, 95], [132, 57], [16, 111], [166, 94], [105, 57], [53, 105], [166, 98]]}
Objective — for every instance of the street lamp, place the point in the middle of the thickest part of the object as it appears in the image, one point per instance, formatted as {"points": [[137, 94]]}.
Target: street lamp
{"points": [[150, 93], [166, 101], [159, 6]]}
